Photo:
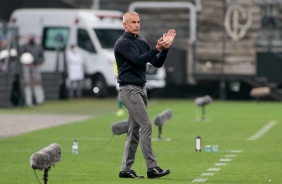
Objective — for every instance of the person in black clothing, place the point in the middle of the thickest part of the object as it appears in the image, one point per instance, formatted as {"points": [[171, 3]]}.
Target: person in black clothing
{"points": [[132, 54]]}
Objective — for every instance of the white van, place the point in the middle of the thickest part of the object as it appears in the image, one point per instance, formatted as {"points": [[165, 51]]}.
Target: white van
{"points": [[93, 31]]}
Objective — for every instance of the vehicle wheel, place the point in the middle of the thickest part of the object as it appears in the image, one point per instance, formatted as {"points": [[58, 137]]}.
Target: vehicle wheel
{"points": [[100, 88]]}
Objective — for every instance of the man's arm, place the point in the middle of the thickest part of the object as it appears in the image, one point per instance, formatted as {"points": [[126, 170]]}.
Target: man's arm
{"points": [[126, 50], [159, 60], [162, 45]]}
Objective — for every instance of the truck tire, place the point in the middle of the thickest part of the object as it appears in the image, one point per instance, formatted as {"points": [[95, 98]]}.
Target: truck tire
{"points": [[100, 88]]}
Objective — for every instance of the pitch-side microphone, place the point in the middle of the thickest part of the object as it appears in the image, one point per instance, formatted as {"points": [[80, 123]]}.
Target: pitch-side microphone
{"points": [[46, 157], [161, 118], [120, 127], [202, 101]]}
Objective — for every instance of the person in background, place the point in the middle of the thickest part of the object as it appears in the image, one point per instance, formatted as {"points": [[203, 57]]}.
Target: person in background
{"points": [[31, 72], [120, 111], [3, 42], [75, 71], [132, 54], [3, 47]]}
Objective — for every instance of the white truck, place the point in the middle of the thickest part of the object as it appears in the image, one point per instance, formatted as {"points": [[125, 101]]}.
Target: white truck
{"points": [[93, 31]]}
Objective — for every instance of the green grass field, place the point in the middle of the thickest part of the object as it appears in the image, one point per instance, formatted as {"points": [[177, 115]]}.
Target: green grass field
{"points": [[229, 124]]}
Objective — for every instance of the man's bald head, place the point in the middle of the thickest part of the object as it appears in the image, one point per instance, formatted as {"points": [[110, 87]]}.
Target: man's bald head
{"points": [[127, 16], [131, 22]]}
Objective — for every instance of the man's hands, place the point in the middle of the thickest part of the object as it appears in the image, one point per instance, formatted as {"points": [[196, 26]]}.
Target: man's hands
{"points": [[166, 40], [169, 35]]}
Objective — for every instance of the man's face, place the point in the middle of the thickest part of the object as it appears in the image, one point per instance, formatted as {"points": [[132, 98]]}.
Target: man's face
{"points": [[132, 25]]}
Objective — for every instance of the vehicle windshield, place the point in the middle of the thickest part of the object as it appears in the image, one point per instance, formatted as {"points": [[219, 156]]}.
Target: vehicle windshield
{"points": [[108, 37]]}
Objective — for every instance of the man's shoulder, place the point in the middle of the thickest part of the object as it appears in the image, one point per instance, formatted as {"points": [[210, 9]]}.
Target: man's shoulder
{"points": [[122, 40]]}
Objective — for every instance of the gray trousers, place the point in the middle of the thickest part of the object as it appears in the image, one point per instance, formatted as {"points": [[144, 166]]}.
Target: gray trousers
{"points": [[134, 98], [32, 85], [75, 87]]}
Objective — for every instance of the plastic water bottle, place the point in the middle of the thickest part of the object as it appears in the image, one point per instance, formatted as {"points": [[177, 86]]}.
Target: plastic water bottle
{"points": [[198, 143], [75, 147], [208, 148], [215, 148]]}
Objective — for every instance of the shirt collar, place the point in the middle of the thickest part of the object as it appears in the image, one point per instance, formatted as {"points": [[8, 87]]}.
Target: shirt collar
{"points": [[130, 35]]}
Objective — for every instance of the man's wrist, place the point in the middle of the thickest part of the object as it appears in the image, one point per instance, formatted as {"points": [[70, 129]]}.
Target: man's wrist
{"points": [[158, 49]]}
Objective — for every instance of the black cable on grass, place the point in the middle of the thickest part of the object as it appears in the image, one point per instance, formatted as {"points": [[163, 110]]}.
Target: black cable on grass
{"points": [[36, 176], [104, 144]]}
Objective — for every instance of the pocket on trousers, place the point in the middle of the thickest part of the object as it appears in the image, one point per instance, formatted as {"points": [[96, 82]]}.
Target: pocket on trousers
{"points": [[124, 89]]}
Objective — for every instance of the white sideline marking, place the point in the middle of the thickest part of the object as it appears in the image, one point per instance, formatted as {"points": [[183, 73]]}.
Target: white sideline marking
{"points": [[207, 174], [93, 138], [161, 139], [198, 180], [262, 131], [225, 159], [213, 169], [220, 164], [235, 151]]}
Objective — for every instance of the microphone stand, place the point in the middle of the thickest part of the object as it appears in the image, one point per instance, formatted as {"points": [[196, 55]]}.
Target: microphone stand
{"points": [[203, 112], [46, 175], [160, 132]]}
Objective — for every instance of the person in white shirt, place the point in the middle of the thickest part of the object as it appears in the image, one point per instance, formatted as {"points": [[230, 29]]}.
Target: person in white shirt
{"points": [[75, 71]]}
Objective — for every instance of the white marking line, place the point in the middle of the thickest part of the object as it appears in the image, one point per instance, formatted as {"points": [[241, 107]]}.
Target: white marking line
{"points": [[213, 169], [225, 159], [262, 131], [207, 174], [161, 139], [93, 138], [235, 151], [199, 180], [220, 164]]}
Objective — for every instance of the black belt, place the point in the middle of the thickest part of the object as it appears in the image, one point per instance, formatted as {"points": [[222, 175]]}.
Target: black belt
{"points": [[140, 85]]}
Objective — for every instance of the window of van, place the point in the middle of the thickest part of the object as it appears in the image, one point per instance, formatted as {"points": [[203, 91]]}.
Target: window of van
{"points": [[84, 41], [8, 37], [55, 37], [108, 37], [12, 32]]}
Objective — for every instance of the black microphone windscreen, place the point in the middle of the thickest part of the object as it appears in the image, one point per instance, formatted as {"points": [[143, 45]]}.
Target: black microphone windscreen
{"points": [[46, 157], [120, 127], [163, 117]]}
